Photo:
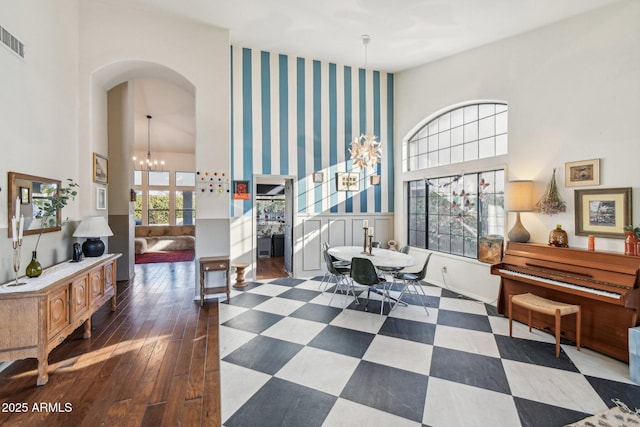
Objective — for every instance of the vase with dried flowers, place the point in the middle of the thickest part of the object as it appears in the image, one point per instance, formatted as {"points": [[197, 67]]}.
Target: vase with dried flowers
{"points": [[50, 207], [551, 203]]}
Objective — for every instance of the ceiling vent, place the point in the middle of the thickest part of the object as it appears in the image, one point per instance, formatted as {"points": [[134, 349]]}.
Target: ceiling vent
{"points": [[11, 42]]}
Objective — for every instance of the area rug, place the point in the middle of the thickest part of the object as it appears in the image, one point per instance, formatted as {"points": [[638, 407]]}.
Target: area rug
{"points": [[165, 256], [618, 416]]}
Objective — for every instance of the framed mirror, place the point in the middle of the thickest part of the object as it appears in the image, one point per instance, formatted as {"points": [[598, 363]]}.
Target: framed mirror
{"points": [[27, 195]]}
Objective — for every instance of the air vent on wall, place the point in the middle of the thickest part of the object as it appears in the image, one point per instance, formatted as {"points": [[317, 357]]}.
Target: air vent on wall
{"points": [[11, 42]]}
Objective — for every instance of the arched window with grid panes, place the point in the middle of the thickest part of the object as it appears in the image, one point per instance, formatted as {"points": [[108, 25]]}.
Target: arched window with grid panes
{"points": [[453, 212]]}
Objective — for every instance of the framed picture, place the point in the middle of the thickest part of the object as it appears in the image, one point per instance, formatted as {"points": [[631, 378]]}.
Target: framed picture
{"points": [[100, 169], [586, 172], [101, 198], [603, 212], [241, 190], [375, 179], [490, 249], [347, 181], [25, 196], [318, 177]]}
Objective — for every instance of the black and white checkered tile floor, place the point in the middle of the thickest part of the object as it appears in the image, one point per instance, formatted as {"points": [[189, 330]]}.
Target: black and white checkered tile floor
{"points": [[288, 358]]}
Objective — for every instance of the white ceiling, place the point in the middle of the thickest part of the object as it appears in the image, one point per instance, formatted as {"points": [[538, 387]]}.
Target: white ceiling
{"points": [[404, 34]]}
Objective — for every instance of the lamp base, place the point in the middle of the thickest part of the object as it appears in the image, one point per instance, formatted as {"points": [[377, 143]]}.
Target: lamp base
{"points": [[518, 233], [93, 247]]}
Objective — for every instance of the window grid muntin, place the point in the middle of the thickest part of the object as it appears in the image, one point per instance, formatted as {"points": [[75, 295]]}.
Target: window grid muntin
{"points": [[453, 220], [456, 136]]}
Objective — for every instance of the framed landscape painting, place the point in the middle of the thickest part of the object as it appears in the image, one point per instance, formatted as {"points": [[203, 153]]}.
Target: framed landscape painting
{"points": [[603, 212], [586, 172]]}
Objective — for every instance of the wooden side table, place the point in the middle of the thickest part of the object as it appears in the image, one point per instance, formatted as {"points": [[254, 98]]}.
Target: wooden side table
{"points": [[240, 266], [209, 264]]}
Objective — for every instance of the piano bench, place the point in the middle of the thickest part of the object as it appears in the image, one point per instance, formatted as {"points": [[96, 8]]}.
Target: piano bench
{"points": [[546, 306]]}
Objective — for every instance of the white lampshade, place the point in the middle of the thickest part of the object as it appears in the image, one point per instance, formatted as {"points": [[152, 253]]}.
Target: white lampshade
{"points": [[519, 196], [93, 226]]}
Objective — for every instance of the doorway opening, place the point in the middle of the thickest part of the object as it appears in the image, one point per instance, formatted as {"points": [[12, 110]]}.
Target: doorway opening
{"points": [[273, 218]]}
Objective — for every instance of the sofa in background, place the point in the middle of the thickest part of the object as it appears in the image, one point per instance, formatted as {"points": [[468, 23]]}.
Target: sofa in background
{"points": [[152, 238]]}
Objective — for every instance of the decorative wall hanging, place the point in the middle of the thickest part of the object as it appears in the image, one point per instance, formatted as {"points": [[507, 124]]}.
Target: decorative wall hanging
{"points": [[551, 203], [212, 182], [586, 172], [347, 181], [318, 177], [100, 169], [241, 190], [375, 179], [603, 212], [101, 198]]}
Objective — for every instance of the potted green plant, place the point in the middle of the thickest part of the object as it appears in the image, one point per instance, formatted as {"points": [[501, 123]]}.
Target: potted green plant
{"points": [[51, 206]]}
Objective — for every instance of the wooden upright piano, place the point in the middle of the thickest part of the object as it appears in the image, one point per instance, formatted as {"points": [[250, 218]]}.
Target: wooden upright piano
{"points": [[605, 284]]}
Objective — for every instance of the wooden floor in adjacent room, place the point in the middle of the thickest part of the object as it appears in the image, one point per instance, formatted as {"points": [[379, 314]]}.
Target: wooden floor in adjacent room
{"points": [[271, 268], [152, 362]]}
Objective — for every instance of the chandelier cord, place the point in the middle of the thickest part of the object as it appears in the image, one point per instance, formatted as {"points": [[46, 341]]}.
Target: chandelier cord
{"points": [[149, 137]]}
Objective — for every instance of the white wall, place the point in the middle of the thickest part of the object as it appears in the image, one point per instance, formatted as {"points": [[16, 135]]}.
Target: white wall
{"points": [[38, 115], [193, 55], [573, 93]]}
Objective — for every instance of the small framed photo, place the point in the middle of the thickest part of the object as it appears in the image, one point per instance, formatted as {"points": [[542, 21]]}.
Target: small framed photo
{"points": [[25, 195], [318, 177], [241, 190], [347, 181], [585, 172], [101, 198], [375, 179], [603, 212], [100, 169]]}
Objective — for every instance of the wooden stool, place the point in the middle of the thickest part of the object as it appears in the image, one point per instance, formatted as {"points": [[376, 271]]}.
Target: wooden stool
{"points": [[240, 266], [546, 306]]}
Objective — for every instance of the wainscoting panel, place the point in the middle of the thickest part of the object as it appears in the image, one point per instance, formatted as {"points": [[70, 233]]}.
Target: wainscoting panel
{"points": [[337, 232], [382, 229], [312, 252]]}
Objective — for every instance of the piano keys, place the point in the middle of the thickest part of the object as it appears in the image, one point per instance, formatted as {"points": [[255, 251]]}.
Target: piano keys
{"points": [[605, 284]]}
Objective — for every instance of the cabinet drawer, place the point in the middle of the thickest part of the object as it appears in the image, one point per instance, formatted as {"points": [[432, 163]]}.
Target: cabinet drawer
{"points": [[108, 277], [57, 311], [215, 265], [79, 296], [95, 285]]}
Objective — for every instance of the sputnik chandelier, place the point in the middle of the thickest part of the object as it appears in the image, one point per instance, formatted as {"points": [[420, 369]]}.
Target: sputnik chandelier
{"points": [[365, 151]]}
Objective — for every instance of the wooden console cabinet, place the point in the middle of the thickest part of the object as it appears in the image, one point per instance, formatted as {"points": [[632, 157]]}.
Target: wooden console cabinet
{"points": [[38, 316]]}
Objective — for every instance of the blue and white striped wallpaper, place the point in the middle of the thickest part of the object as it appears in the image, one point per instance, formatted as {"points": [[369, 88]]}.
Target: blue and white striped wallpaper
{"points": [[296, 116]]}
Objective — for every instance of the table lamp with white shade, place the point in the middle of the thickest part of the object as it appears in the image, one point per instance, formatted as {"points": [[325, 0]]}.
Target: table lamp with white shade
{"points": [[93, 227], [519, 198]]}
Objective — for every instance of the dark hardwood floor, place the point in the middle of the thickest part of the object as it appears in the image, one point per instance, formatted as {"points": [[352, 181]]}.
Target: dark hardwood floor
{"points": [[271, 268], [152, 362]]}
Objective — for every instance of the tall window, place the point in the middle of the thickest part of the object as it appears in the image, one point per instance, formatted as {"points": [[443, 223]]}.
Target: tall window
{"points": [[164, 198], [185, 207], [451, 213], [158, 208], [466, 133]]}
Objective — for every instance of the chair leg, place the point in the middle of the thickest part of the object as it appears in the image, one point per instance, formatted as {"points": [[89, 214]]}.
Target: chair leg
{"points": [[510, 316], [415, 286], [578, 327], [325, 281], [558, 317]]}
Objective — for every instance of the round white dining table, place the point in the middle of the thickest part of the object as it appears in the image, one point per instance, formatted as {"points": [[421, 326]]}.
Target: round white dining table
{"points": [[381, 258]]}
